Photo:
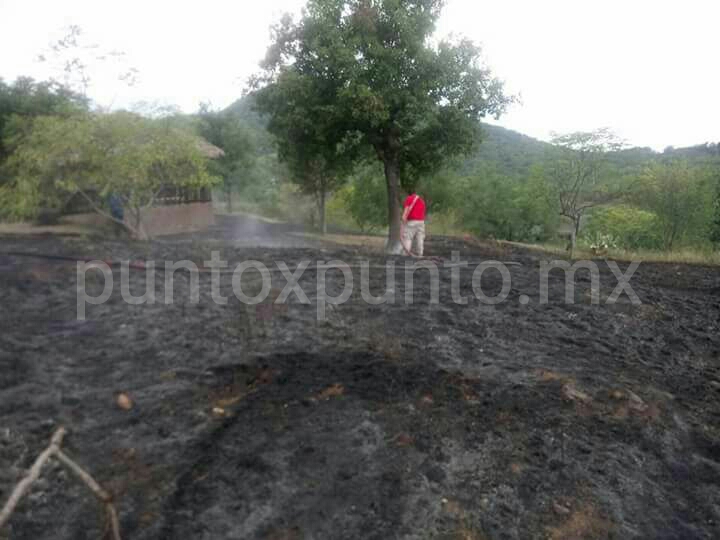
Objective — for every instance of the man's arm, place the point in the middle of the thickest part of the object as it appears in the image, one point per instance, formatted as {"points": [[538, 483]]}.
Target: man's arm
{"points": [[409, 208]]}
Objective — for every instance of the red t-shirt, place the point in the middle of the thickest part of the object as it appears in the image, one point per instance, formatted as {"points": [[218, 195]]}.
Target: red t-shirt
{"points": [[418, 211]]}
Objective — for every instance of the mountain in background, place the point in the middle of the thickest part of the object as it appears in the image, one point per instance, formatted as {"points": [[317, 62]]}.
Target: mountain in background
{"points": [[503, 150], [514, 154], [700, 151]]}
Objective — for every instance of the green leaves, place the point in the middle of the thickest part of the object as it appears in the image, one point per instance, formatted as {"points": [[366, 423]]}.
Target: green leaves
{"points": [[365, 71], [633, 227], [226, 130], [365, 198], [98, 154], [680, 196], [26, 99]]}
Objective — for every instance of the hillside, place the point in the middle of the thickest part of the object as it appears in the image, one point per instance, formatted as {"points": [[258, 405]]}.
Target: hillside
{"points": [[503, 150], [707, 151], [512, 153]]}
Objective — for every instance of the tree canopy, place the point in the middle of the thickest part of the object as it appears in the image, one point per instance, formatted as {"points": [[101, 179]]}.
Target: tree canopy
{"points": [[381, 84], [97, 156], [25, 99], [576, 169], [236, 167], [310, 143]]}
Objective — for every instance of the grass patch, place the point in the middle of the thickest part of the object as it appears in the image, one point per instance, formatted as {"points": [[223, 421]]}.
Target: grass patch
{"points": [[360, 240], [685, 255], [446, 225], [679, 256]]}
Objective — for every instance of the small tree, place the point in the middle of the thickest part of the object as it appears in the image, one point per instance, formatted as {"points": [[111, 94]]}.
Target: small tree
{"points": [[576, 172], [383, 84], [316, 177], [96, 156], [676, 193], [317, 153], [236, 166]]}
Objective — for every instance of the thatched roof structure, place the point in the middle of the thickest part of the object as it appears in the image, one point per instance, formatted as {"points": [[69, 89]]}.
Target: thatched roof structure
{"points": [[209, 150]]}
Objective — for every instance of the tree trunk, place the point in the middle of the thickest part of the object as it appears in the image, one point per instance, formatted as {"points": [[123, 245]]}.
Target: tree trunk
{"points": [[574, 235], [139, 228], [228, 199], [392, 177], [323, 222]]}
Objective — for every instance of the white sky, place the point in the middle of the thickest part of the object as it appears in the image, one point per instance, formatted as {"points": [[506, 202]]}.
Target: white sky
{"points": [[648, 69]]}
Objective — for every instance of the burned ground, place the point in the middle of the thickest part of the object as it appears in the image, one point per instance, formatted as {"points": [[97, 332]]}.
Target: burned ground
{"points": [[392, 421]]}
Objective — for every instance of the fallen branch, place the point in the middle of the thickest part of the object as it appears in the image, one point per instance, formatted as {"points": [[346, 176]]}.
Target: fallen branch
{"points": [[53, 450], [99, 492], [33, 474]]}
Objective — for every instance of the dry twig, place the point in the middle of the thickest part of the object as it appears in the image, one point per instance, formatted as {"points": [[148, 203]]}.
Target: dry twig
{"points": [[53, 450], [33, 474]]}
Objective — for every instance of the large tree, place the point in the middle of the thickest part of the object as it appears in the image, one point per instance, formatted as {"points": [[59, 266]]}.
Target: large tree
{"points": [[98, 156], [382, 83]]}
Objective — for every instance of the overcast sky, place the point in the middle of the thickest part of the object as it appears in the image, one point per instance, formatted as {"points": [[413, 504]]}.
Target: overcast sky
{"points": [[648, 69]]}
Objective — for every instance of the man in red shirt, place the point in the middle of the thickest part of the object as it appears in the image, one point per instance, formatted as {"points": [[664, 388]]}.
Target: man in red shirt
{"points": [[414, 225]]}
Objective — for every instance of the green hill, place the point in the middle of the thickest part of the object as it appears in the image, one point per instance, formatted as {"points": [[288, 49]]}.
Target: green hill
{"points": [[505, 151]]}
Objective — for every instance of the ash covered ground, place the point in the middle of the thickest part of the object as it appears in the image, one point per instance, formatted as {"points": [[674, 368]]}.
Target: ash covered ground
{"points": [[422, 421]]}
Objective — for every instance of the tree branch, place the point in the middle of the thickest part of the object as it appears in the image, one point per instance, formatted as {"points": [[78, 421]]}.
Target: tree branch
{"points": [[103, 213], [33, 474], [98, 491]]}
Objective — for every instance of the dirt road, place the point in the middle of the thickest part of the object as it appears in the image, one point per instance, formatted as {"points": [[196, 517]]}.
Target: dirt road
{"points": [[248, 231], [441, 421]]}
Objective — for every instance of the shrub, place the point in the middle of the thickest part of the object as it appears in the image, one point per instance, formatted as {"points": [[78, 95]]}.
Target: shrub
{"points": [[629, 227]]}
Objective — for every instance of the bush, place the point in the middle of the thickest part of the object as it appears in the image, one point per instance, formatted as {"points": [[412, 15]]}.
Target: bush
{"points": [[366, 199], [337, 214], [506, 208], [629, 227], [600, 243]]}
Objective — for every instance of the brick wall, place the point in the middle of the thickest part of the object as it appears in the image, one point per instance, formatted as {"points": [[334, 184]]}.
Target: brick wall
{"points": [[160, 220], [179, 218]]}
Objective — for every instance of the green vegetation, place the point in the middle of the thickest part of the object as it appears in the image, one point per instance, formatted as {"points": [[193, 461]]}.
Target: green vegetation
{"points": [[715, 224], [236, 168], [355, 102], [627, 225], [366, 78], [578, 176], [24, 100], [680, 197], [311, 144], [98, 157]]}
